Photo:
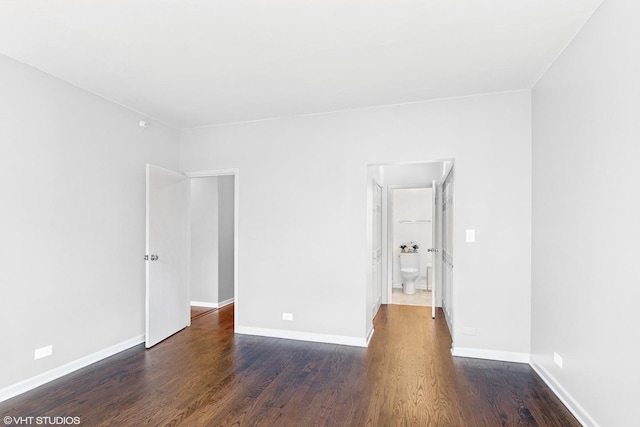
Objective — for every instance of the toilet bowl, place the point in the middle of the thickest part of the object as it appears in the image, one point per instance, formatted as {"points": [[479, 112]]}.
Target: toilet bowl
{"points": [[410, 271]]}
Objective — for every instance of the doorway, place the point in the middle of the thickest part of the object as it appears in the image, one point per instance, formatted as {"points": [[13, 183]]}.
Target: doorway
{"points": [[220, 249], [211, 241], [411, 236], [431, 176], [168, 249]]}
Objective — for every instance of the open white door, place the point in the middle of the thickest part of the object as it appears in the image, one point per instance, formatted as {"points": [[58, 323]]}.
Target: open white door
{"points": [[167, 296]]}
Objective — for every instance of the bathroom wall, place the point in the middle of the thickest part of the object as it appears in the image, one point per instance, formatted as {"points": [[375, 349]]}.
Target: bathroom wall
{"points": [[586, 153], [412, 204]]}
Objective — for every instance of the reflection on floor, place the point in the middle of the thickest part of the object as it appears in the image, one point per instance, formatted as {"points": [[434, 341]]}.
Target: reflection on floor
{"points": [[421, 297], [199, 311]]}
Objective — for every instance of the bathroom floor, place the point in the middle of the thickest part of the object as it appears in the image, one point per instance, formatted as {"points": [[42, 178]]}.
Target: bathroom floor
{"points": [[421, 297]]}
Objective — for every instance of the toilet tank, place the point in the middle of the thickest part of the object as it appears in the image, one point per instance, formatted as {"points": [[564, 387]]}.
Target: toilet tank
{"points": [[411, 260]]}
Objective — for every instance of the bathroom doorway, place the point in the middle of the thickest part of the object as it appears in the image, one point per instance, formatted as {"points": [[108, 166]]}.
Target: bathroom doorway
{"points": [[426, 179], [411, 237]]}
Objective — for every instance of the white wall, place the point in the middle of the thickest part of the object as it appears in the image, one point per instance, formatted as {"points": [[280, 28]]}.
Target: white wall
{"points": [[72, 222], [412, 204], [303, 209], [225, 237], [586, 153], [204, 240]]}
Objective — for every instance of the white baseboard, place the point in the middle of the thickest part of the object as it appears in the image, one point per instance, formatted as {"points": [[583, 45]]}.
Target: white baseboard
{"points": [[55, 373], [506, 356], [212, 304], [225, 302], [369, 335], [479, 353], [302, 336], [204, 304], [574, 407]]}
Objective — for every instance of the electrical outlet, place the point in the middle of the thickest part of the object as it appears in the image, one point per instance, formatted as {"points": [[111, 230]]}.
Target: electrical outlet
{"points": [[43, 352], [557, 359], [287, 316]]}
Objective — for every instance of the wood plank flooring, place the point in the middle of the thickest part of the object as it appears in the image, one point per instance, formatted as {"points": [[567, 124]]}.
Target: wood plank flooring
{"points": [[199, 311], [207, 376]]}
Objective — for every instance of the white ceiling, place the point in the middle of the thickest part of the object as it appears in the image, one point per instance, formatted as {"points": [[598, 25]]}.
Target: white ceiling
{"points": [[195, 63]]}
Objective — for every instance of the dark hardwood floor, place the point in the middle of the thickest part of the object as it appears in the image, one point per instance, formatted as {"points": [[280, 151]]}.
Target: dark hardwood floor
{"points": [[207, 376]]}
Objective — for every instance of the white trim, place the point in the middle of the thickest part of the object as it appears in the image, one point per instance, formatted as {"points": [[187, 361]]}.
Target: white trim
{"points": [[212, 304], [369, 336], [480, 353], [225, 302], [101, 96], [302, 336], [413, 162], [211, 172], [55, 373], [574, 407], [372, 107], [203, 304], [188, 266]]}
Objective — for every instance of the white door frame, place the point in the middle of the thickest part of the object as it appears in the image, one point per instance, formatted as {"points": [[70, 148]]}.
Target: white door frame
{"points": [[377, 234], [444, 283], [235, 172], [434, 247]]}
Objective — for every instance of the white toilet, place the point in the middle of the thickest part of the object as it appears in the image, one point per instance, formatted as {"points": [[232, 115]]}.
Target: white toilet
{"points": [[410, 270]]}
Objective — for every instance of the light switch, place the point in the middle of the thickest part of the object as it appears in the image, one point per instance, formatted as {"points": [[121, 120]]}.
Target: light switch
{"points": [[471, 236]]}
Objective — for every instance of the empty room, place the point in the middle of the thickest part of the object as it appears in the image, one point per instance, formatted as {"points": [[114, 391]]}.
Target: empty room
{"points": [[300, 213]]}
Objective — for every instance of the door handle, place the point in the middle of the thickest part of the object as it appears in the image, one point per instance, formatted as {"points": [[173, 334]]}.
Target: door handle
{"points": [[154, 257], [432, 250]]}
